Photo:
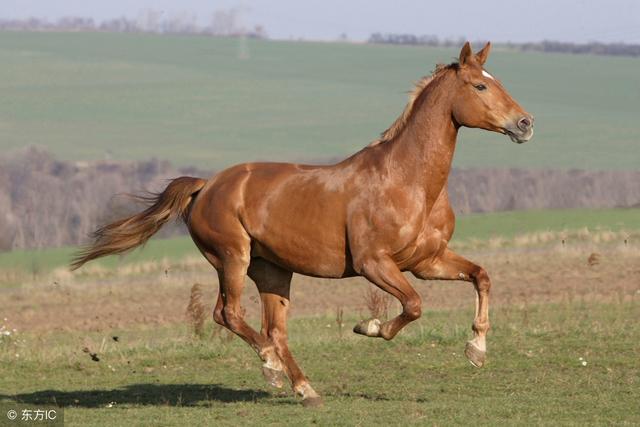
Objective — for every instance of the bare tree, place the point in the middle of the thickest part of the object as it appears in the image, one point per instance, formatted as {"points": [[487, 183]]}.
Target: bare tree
{"points": [[225, 23]]}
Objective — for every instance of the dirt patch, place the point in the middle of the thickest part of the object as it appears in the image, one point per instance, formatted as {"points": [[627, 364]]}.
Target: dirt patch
{"points": [[161, 297]]}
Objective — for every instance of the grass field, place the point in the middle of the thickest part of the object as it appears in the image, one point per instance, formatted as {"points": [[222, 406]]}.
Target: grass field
{"points": [[569, 364], [562, 350], [193, 101], [476, 228]]}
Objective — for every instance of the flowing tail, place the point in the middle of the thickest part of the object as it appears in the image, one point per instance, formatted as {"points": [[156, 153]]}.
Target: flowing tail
{"points": [[128, 233]]}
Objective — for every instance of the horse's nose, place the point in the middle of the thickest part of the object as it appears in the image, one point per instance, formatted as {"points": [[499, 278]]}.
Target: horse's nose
{"points": [[525, 123]]}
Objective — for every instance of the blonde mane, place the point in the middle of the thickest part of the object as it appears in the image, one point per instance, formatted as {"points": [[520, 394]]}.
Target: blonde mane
{"points": [[401, 122]]}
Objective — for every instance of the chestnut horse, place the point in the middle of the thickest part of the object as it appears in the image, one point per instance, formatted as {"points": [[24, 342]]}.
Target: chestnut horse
{"points": [[378, 213]]}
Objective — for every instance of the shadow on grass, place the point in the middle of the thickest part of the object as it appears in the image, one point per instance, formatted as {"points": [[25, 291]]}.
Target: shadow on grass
{"points": [[141, 394]]}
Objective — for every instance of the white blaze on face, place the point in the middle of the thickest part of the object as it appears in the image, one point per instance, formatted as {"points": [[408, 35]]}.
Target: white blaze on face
{"points": [[487, 75]]}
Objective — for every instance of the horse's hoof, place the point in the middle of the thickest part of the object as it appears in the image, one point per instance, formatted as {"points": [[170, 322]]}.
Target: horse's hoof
{"points": [[273, 377], [474, 354], [370, 328], [312, 402]]}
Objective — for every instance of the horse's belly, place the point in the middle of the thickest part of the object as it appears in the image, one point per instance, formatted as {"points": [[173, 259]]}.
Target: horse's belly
{"points": [[293, 221], [304, 256]]}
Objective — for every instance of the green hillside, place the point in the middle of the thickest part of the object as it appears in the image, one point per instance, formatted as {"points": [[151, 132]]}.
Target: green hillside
{"points": [[193, 101]]}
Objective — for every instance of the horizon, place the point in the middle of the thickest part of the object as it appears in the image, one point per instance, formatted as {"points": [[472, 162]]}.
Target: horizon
{"points": [[617, 21]]}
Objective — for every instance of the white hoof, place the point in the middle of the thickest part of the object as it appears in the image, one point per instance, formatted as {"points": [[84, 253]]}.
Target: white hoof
{"points": [[309, 396], [475, 355], [369, 328]]}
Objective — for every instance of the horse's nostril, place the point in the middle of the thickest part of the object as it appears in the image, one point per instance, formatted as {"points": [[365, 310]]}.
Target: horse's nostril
{"points": [[524, 123]]}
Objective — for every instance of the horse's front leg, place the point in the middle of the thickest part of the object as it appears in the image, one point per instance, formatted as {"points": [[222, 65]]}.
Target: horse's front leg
{"points": [[451, 266], [384, 273]]}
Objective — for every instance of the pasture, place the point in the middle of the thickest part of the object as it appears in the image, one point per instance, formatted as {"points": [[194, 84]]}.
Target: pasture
{"points": [[165, 377], [562, 348], [196, 102]]}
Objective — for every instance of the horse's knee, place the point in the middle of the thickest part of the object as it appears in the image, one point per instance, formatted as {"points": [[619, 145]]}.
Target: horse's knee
{"points": [[481, 279], [412, 310]]}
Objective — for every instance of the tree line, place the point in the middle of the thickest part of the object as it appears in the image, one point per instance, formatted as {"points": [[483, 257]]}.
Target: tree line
{"points": [[224, 23], [549, 46], [227, 23], [47, 202]]}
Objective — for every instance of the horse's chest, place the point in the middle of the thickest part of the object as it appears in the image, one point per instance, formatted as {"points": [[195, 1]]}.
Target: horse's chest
{"points": [[419, 236], [426, 244], [404, 232]]}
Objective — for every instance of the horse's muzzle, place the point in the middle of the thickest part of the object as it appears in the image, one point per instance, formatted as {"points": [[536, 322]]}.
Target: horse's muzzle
{"points": [[522, 131]]}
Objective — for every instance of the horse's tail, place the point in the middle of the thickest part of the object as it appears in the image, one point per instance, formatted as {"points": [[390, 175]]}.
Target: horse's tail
{"points": [[133, 231]]}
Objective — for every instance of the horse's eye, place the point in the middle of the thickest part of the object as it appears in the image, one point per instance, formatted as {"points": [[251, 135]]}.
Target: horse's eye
{"points": [[480, 87]]}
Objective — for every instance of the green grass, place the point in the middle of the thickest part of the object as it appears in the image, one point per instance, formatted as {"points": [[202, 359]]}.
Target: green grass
{"points": [[513, 223], [192, 101], [534, 374], [476, 226], [47, 259]]}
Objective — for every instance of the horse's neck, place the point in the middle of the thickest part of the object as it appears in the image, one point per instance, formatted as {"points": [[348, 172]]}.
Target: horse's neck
{"points": [[424, 150]]}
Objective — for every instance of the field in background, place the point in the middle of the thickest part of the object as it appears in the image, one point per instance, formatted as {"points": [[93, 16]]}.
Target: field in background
{"points": [[472, 231], [196, 102], [511, 224]]}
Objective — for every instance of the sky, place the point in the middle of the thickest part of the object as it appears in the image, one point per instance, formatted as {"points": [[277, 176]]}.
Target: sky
{"points": [[497, 20]]}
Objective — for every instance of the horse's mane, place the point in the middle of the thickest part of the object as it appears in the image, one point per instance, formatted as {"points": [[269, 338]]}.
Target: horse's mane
{"points": [[401, 122]]}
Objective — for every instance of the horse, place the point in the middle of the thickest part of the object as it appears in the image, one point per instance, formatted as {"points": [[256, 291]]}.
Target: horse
{"points": [[381, 212]]}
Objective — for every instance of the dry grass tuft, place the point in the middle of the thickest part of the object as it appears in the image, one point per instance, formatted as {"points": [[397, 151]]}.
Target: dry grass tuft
{"points": [[377, 302], [340, 320], [196, 311]]}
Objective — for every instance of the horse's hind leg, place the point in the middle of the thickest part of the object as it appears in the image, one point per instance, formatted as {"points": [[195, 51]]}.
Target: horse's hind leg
{"points": [[228, 311], [274, 284]]}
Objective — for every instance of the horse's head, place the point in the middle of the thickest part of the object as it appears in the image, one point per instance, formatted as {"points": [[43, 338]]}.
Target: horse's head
{"points": [[482, 101]]}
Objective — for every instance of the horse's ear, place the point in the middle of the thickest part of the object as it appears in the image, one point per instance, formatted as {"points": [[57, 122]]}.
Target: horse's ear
{"points": [[465, 54], [482, 56]]}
